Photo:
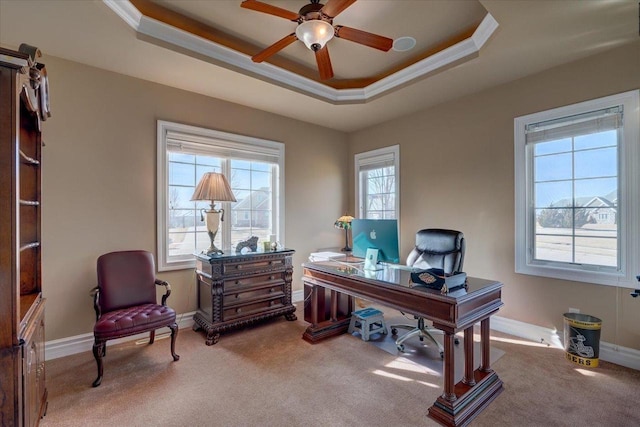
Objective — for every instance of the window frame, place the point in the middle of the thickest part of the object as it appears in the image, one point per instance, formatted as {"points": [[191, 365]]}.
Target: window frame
{"points": [[628, 204], [218, 144], [380, 155]]}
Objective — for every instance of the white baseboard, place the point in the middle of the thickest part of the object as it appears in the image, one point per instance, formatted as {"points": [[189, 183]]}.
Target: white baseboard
{"points": [[297, 296], [81, 343], [526, 330], [608, 352], [622, 356]]}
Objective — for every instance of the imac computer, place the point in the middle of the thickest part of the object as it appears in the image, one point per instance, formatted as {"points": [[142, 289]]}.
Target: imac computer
{"points": [[381, 234]]}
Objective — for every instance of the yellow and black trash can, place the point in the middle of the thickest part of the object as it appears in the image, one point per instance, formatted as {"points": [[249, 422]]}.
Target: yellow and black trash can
{"points": [[582, 339]]}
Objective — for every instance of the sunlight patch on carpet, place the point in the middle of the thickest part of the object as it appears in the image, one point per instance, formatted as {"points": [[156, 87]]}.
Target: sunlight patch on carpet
{"points": [[587, 373]]}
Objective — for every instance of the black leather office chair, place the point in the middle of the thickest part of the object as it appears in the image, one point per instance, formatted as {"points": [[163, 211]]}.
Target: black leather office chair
{"points": [[435, 248]]}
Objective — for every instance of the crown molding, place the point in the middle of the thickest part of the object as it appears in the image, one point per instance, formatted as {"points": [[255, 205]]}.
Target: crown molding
{"points": [[184, 41]]}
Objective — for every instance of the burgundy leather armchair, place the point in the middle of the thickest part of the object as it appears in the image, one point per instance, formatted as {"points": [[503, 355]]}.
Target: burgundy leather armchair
{"points": [[435, 248], [125, 302]]}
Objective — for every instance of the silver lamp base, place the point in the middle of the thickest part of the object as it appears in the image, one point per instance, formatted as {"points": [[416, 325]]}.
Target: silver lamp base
{"points": [[213, 225]]}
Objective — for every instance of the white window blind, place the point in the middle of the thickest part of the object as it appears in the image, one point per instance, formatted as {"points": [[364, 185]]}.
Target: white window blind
{"points": [[233, 146], [582, 124]]}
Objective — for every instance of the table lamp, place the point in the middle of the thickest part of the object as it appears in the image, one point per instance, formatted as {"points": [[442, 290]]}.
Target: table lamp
{"points": [[344, 222], [213, 186]]}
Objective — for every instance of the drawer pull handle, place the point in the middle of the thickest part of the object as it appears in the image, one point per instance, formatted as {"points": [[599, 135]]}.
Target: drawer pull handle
{"points": [[238, 282], [239, 267], [272, 277]]}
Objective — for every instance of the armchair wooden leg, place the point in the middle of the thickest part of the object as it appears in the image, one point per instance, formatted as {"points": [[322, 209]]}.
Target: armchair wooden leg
{"points": [[174, 334], [152, 336], [98, 353]]}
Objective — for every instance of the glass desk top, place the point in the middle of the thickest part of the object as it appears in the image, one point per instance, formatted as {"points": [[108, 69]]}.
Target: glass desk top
{"points": [[397, 275]]}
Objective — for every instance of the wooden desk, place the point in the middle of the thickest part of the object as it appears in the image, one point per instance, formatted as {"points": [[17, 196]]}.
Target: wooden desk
{"points": [[329, 314], [236, 290]]}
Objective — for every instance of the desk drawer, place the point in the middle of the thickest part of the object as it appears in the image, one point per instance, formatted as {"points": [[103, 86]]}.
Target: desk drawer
{"points": [[257, 293], [233, 311], [246, 283], [239, 267]]}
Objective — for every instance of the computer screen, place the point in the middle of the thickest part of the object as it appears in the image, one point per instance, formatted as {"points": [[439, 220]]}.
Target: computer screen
{"points": [[381, 234]]}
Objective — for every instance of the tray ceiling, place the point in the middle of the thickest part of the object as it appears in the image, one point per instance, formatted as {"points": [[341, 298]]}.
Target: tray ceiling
{"points": [[532, 36], [446, 34]]}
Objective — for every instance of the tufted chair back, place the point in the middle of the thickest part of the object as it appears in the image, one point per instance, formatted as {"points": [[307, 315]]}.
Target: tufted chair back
{"points": [[126, 279], [438, 248]]}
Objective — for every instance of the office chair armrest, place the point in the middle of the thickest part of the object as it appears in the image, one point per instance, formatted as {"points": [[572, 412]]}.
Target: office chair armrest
{"points": [[95, 293], [167, 286]]}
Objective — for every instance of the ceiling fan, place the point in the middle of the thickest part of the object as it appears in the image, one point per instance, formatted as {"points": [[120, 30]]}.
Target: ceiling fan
{"points": [[315, 29]]}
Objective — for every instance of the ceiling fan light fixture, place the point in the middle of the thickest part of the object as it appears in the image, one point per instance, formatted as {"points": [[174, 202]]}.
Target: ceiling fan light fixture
{"points": [[315, 33]]}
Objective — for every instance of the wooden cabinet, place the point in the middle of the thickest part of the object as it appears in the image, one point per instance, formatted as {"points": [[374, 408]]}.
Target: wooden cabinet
{"points": [[23, 106], [240, 289]]}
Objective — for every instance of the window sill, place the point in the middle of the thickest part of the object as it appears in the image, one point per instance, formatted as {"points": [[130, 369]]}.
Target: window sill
{"points": [[594, 277]]}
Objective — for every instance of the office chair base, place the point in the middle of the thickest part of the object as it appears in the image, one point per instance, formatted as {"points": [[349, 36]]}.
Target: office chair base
{"points": [[421, 333]]}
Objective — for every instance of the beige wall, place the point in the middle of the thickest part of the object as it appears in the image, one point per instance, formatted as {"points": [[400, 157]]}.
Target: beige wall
{"points": [[99, 180], [456, 171]]}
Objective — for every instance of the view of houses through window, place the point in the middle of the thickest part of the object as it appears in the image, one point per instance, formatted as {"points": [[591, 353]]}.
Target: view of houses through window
{"points": [[251, 215], [576, 199], [253, 167], [576, 191]]}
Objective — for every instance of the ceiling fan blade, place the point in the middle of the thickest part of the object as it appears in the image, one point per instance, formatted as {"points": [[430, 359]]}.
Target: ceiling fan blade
{"points": [[274, 48], [324, 63], [335, 7], [271, 10], [365, 38]]}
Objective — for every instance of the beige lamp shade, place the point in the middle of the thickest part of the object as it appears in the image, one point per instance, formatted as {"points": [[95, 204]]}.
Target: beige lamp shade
{"points": [[213, 186]]}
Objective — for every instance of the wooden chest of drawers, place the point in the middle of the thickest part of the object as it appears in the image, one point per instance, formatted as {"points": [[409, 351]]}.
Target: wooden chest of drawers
{"points": [[237, 290]]}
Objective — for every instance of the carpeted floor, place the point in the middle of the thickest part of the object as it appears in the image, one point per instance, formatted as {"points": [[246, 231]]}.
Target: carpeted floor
{"points": [[267, 375], [422, 353]]}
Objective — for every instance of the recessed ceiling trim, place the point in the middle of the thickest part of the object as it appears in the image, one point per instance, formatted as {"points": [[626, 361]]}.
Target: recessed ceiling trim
{"points": [[225, 56], [439, 61], [229, 58], [126, 11], [485, 30]]}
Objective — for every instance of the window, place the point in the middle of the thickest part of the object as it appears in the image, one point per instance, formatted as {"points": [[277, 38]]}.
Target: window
{"points": [[377, 183], [254, 169], [577, 201]]}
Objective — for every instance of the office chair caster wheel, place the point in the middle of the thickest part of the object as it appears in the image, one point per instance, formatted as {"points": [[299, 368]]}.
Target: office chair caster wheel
{"points": [[421, 338], [442, 355], [394, 331], [400, 347], [456, 340]]}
